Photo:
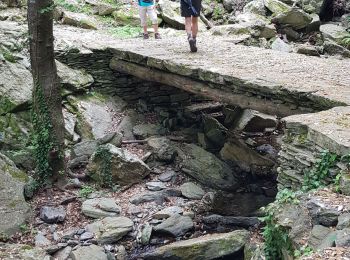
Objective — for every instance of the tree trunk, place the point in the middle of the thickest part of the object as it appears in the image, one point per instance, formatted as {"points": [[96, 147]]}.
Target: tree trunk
{"points": [[47, 117]]}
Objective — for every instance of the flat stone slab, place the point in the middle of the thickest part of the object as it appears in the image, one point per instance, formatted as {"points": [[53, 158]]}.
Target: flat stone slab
{"points": [[290, 77], [329, 129]]}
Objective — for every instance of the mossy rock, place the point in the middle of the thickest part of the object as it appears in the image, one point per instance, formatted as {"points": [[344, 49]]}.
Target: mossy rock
{"points": [[15, 210], [203, 248]]}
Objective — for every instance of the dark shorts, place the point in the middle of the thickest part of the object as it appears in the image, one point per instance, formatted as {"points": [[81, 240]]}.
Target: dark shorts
{"points": [[187, 12]]}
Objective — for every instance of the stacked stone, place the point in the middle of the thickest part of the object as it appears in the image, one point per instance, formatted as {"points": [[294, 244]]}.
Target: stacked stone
{"points": [[305, 138]]}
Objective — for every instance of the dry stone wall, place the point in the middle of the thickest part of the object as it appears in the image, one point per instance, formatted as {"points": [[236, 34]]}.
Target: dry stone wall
{"points": [[306, 137]]}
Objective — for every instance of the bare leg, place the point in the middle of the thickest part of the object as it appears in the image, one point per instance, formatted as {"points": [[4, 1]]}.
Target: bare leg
{"points": [[188, 25], [155, 27], [194, 26], [145, 29]]}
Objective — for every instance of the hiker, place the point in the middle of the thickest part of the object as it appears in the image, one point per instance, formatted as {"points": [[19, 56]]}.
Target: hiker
{"points": [[190, 9], [147, 7]]}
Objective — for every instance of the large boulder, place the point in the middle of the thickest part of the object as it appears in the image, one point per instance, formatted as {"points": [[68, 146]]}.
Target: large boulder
{"points": [[79, 20], [100, 207], [96, 114], [255, 7], [176, 225], [311, 6], [14, 209], [334, 32], [295, 18], [23, 252], [247, 24], [206, 167], [206, 247], [15, 87], [73, 80], [125, 167], [235, 150], [170, 13], [276, 7], [110, 229], [89, 252]]}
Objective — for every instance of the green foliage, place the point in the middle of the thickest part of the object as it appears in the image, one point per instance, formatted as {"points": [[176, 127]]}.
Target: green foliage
{"points": [[47, 9], [7, 55], [24, 228], [81, 7], [320, 173], [86, 190], [4, 237], [276, 236], [43, 143], [126, 31], [346, 42], [218, 12], [304, 251], [104, 156]]}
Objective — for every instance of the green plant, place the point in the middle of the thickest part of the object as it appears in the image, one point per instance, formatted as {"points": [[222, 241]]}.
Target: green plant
{"points": [[126, 31], [218, 12], [104, 156], [304, 251], [86, 190], [43, 143], [7, 55], [276, 236], [320, 173], [346, 42], [4, 237], [24, 228]]}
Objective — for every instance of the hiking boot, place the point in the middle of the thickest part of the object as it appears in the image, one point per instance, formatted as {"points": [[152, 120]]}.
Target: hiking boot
{"points": [[145, 36], [157, 36], [192, 43]]}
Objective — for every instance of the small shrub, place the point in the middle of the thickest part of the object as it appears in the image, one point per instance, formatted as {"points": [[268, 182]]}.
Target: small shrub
{"points": [[320, 173], [86, 190], [104, 156]]}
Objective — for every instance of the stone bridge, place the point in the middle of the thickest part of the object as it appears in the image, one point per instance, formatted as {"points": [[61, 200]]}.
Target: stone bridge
{"points": [[311, 93], [266, 80]]}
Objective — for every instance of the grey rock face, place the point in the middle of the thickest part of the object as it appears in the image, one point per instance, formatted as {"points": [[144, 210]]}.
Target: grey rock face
{"points": [[126, 168], [100, 207], [192, 191], [155, 185], [157, 196], [280, 45], [343, 221], [52, 214], [110, 229], [202, 248], [88, 252], [206, 168], [166, 176], [14, 209], [168, 212], [176, 225]]}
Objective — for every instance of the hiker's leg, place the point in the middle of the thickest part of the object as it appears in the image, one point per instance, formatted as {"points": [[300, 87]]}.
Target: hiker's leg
{"points": [[143, 18], [188, 26], [194, 27], [153, 16]]}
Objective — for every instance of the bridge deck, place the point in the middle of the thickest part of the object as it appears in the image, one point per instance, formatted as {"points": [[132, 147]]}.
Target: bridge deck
{"points": [[248, 73]]}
